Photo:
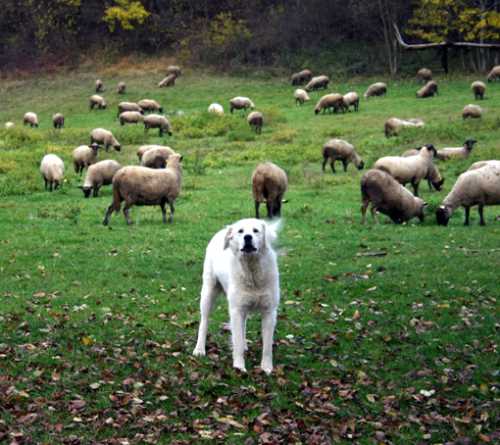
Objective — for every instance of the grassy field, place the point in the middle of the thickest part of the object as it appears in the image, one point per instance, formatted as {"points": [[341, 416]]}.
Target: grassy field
{"points": [[386, 334]]}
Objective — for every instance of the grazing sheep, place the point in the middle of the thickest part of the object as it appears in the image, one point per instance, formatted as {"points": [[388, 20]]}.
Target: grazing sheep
{"points": [[157, 121], [456, 152], [129, 106], [301, 77], [150, 105], [30, 119], [434, 178], [83, 156], [480, 186], [99, 174], [393, 125], [340, 150], [9, 125], [52, 170], [144, 148], [97, 101], [174, 69], [99, 86], [130, 117], [121, 88], [332, 102], [478, 88], [216, 108], [269, 184], [494, 74], [472, 111], [146, 186], [104, 137], [317, 83], [240, 103], [480, 164], [301, 96], [156, 156], [410, 169], [58, 120], [376, 89], [389, 197], [256, 120], [351, 99], [424, 74], [168, 81], [428, 90]]}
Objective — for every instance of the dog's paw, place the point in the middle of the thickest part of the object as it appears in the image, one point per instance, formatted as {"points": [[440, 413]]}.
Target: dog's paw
{"points": [[199, 352], [267, 368], [240, 367]]}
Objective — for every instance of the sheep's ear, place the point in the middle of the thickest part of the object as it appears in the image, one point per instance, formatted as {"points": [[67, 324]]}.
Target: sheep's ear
{"points": [[181, 158], [228, 237]]}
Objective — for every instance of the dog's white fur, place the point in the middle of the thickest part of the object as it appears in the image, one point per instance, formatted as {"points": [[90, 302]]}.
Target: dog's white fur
{"points": [[250, 280]]}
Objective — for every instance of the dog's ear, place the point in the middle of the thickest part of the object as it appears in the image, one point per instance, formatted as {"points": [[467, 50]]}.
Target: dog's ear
{"points": [[228, 237]]}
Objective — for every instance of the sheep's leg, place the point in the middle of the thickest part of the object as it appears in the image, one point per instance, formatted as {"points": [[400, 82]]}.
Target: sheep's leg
{"points": [[332, 165], [325, 160], [171, 218], [51, 184], [163, 211], [96, 191], [373, 211], [364, 205], [257, 205], [269, 206], [160, 131], [277, 206], [415, 187], [467, 214], [344, 163], [126, 211], [108, 213], [429, 182], [46, 184], [480, 209]]}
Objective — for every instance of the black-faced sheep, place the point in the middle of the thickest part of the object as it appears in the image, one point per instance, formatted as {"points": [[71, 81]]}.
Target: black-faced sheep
{"points": [[317, 83], [99, 86], [98, 102], [121, 88], [340, 150], [494, 74], [351, 99], [424, 74], [83, 156], [156, 156], [376, 89], [434, 178], [99, 174], [168, 81], [300, 96], [472, 111], [129, 106], [463, 152], [332, 102], [301, 77], [150, 105], [104, 137], [256, 120], [269, 184], [130, 117], [479, 164], [58, 121], [478, 88], [240, 103], [52, 170], [428, 90], [30, 119], [157, 121], [394, 125]]}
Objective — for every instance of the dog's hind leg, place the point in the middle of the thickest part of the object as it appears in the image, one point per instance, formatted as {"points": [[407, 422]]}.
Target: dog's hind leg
{"points": [[209, 292], [268, 324]]}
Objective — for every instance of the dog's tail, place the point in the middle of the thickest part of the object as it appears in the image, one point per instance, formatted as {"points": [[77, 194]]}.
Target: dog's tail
{"points": [[272, 229]]}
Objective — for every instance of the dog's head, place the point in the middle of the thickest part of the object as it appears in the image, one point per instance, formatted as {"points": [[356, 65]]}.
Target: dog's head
{"points": [[250, 236]]}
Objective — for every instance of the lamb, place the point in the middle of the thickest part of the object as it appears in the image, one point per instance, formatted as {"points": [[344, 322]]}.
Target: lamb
{"points": [[410, 169], [52, 170], [216, 108], [168, 81], [301, 96], [240, 103], [340, 150], [99, 174], [256, 120], [389, 197], [480, 186], [301, 77], [174, 69], [333, 102], [317, 83], [393, 125], [130, 117], [157, 121], [424, 74], [494, 74], [269, 184], [97, 101], [104, 137], [99, 86], [376, 89], [9, 125], [478, 88], [434, 178], [58, 120], [351, 99], [129, 106], [472, 111], [30, 119], [428, 90], [480, 164], [121, 88], [146, 186], [83, 156], [150, 105], [156, 156], [456, 152]]}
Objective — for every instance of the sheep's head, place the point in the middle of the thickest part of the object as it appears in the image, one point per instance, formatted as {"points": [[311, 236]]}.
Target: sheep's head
{"points": [[94, 147], [431, 149], [438, 184], [361, 165], [469, 144], [117, 147], [443, 214]]}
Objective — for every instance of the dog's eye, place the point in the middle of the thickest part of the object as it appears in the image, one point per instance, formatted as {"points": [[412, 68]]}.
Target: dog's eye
{"points": [[240, 231], [255, 230]]}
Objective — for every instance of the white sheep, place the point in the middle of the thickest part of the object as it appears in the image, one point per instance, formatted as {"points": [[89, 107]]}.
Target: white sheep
{"points": [[129, 106], [58, 120], [52, 170], [168, 81], [351, 99], [150, 105], [157, 121], [340, 150], [121, 88], [97, 101], [9, 125], [424, 74], [434, 178], [174, 69], [463, 152], [99, 86], [99, 174], [269, 184], [317, 83], [478, 88], [240, 103], [332, 102], [256, 120], [428, 90], [494, 74], [300, 96], [30, 119], [130, 117], [301, 77], [376, 89], [216, 108], [480, 164], [83, 156], [104, 137], [394, 125], [472, 111], [156, 156]]}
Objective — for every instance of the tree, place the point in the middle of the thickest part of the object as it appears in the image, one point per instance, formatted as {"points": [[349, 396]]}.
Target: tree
{"points": [[125, 13]]}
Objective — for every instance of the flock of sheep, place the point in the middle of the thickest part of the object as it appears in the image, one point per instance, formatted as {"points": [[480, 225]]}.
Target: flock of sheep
{"points": [[157, 180]]}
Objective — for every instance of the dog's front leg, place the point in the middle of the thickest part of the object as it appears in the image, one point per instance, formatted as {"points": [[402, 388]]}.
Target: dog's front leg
{"points": [[208, 294], [238, 318], [268, 323]]}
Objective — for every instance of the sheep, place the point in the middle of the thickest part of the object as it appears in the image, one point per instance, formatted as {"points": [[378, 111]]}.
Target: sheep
{"points": [[434, 178], [97, 101], [130, 117], [478, 88], [424, 74], [52, 170], [410, 169], [463, 152], [104, 137], [99, 86], [480, 164], [428, 90], [494, 74], [150, 105], [30, 119], [83, 156], [146, 186], [317, 82], [393, 125], [389, 197], [157, 121], [216, 108], [156, 156], [9, 125], [376, 89], [480, 186], [174, 69], [240, 103], [168, 81], [58, 120], [256, 120], [99, 174], [269, 184], [340, 150], [472, 111], [129, 106], [333, 102], [301, 77], [121, 88], [300, 96], [351, 99]]}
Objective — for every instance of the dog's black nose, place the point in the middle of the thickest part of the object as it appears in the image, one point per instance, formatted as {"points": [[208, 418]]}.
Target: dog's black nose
{"points": [[247, 238]]}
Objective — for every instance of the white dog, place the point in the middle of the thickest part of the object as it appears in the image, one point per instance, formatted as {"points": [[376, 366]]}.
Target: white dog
{"points": [[241, 262]]}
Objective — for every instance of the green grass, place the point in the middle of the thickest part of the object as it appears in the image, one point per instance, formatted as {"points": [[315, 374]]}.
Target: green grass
{"points": [[108, 315]]}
